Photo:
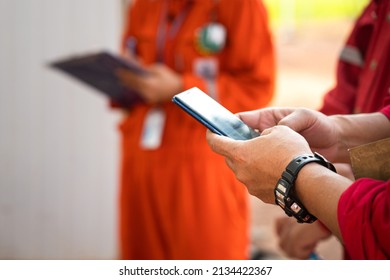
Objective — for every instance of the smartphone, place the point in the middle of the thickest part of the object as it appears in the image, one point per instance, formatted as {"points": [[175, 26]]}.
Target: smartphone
{"points": [[213, 115]]}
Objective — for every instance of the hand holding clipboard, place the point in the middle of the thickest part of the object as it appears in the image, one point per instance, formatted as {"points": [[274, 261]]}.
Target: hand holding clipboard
{"points": [[99, 70]]}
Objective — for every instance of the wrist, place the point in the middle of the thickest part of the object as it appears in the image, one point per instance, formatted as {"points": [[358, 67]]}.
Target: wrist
{"points": [[320, 189], [286, 195], [341, 146], [323, 230]]}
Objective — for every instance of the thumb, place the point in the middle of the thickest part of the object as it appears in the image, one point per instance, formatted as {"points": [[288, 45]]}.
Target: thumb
{"points": [[157, 68], [221, 144], [298, 121]]}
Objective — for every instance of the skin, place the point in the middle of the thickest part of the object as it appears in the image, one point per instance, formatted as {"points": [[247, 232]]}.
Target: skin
{"points": [[287, 133], [299, 240], [159, 86]]}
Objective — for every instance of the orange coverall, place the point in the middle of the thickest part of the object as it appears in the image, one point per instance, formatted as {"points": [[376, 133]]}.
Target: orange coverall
{"points": [[180, 201]]}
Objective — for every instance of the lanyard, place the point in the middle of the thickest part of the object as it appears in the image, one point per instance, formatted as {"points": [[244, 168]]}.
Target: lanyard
{"points": [[164, 32]]}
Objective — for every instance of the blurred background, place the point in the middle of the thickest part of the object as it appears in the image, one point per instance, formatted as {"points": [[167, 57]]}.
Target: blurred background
{"points": [[58, 138]]}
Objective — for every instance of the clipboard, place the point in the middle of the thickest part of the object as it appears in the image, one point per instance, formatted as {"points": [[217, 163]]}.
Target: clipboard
{"points": [[371, 160], [97, 70]]}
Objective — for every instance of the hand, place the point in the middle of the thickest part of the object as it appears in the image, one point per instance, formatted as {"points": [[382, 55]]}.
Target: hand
{"points": [[259, 162], [298, 241], [130, 55], [160, 85], [318, 130]]}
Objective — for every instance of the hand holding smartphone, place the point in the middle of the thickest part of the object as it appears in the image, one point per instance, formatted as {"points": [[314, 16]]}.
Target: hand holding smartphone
{"points": [[213, 115]]}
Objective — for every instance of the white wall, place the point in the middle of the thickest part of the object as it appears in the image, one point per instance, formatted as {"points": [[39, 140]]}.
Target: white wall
{"points": [[58, 138]]}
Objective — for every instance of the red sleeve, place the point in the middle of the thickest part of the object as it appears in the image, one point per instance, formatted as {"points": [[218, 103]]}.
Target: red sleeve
{"points": [[364, 219], [341, 99], [386, 110]]}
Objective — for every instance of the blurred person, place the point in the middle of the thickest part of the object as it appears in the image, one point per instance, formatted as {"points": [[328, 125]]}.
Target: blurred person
{"points": [[178, 200], [356, 212], [364, 65], [362, 84]]}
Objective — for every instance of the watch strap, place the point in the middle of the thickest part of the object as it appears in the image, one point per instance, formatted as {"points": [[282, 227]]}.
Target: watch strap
{"points": [[284, 191]]}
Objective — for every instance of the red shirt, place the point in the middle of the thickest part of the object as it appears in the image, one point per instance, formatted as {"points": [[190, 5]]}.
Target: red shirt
{"points": [[363, 215], [363, 72]]}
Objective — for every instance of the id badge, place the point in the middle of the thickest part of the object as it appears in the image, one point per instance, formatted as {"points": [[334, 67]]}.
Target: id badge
{"points": [[153, 129], [206, 67]]}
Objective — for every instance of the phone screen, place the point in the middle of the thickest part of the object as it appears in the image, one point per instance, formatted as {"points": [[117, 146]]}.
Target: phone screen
{"points": [[213, 115]]}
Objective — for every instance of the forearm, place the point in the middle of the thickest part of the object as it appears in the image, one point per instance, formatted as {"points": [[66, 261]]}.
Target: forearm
{"points": [[319, 189], [359, 129]]}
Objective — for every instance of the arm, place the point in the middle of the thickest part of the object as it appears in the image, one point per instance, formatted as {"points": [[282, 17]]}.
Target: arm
{"points": [[317, 187], [342, 98], [363, 213], [258, 163], [162, 82], [358, 129], [298, 241]]}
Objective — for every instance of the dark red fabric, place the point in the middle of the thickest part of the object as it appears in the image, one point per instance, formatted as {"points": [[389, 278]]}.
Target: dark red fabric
{"points": [[363, 215], [362, 88], [386, 110], [363, 210], [364, 219]]}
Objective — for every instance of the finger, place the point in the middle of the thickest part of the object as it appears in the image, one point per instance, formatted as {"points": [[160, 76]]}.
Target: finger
{"points": [[220, 144], [280, 223], [131, 57], [304, 253], [251, 118], [284, 240], [128, 79], [275, 129], [157, 68], [267, 131], [264, 118], [295, 121], [299, 120]]}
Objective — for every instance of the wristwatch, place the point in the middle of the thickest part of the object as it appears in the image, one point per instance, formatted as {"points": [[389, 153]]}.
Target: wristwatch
{"points": [[285, 195]]}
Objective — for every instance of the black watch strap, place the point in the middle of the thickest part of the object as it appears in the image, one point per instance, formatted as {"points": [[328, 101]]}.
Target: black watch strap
{"points": [[284, 191]]}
